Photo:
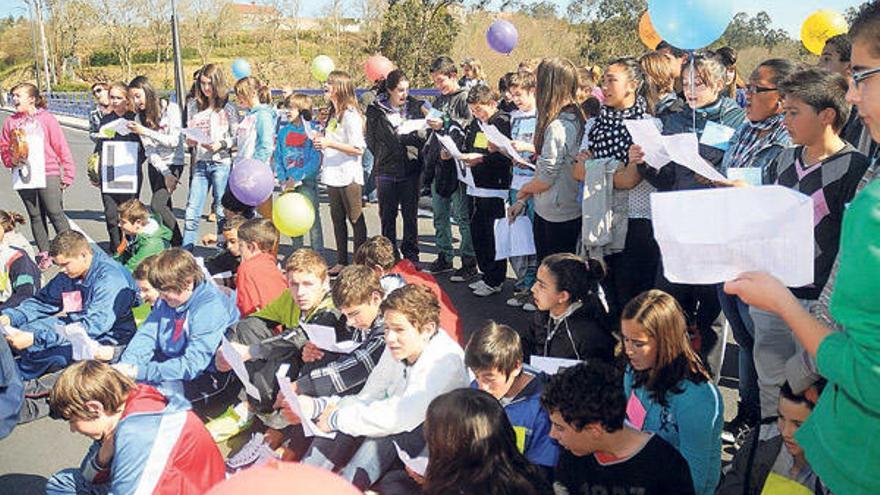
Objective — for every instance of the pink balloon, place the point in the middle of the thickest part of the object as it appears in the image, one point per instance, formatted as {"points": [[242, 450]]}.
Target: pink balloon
{"points": [[377, 67], [284, 478]]}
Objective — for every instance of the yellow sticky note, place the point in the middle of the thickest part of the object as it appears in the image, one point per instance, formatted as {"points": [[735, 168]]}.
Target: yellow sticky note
{"points": [[480, 141], [780, 485], [520, 432]]}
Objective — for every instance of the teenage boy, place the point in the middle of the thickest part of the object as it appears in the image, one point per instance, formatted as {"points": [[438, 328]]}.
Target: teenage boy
{"points": [[144, 235], [378, 253], [258, 279], [494, 356], [175, 346], [144, 442], [419, 363], [91, 290], [827, 169], [449, 116], [146, 292], [273, 336], [491, 171], [223, 265], [602, 454], [522, 132]]}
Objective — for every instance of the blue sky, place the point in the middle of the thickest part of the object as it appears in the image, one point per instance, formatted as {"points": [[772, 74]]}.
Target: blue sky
{"points": [[786, 14]]}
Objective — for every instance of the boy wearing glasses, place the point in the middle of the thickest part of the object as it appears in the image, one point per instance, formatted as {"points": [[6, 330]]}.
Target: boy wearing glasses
{"points": [[101, 94]]}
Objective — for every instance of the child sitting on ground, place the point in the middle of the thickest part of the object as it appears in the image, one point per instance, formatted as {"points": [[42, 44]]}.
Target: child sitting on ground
{"points": [[258, 279], [19, 275], [378, 254], [419, 363], [223, 265], [130, 424], [144, 235], [494, 355]]}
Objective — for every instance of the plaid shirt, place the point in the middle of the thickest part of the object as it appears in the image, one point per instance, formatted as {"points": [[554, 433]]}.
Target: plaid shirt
{"points": [[344, 374]]}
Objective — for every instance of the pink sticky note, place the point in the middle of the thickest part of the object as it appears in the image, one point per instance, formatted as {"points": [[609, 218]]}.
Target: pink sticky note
{"points": [[72, 301], [635, 411]]}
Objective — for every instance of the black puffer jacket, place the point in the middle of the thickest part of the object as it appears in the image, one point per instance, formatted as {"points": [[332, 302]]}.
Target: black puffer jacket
{"points": [[581, 334], [456, 117], [495, 172], [394, 155]]}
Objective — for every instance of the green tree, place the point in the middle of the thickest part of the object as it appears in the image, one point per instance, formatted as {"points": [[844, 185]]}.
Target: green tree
{"points": [[416, 31], [608, 28]]}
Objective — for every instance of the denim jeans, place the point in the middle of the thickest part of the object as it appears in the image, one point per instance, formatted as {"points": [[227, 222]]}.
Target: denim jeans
{"points": [[203, 173], [457, 205], [743, 328], [309, 189]]}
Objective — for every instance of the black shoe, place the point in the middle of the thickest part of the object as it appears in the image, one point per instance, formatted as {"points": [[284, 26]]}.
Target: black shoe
{"points": [[440, 265], [736, 431], [464, 274]]}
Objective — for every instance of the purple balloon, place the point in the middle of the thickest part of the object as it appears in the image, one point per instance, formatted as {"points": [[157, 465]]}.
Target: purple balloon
{"points": [[251, 181], [502, 36]]}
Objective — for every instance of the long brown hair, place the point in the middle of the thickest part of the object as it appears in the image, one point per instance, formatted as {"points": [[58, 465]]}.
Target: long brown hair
{"points": [[472, 448], [9, 219], [663, 320], [344, 98], [33, 91], [150, 115], [220, 91], [557, 85], [248, 87], [661, 70]]}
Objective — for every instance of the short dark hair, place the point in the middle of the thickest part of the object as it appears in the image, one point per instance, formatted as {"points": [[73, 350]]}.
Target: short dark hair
{"points": [[355, 285], [68, 243], [417, 303], [524, 79], [787, 393], [820, 89], [494, 347], [781, 68], [482, 95], [444, 65], [377, 251], [260, 231], [842, 45], [590, 392], [866, 27]]}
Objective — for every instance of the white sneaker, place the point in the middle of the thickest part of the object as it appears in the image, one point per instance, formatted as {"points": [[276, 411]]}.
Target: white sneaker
{"points": [[475, 284], [519, 298], [486, 290], [529, 307]]}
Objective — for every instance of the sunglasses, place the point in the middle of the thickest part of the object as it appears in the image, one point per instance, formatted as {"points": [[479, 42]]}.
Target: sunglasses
{"points": [[858, 77], [754, 89]]}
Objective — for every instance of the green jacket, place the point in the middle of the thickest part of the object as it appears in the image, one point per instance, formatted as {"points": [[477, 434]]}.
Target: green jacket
{"points": [[840, 438], [154, 238]]}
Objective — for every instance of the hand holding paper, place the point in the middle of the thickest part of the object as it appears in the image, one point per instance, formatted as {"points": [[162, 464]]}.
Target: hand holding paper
{"points": [[196, 134], [324, 337], [233, 358], [418, 464], [310, 429], [111, 129]]}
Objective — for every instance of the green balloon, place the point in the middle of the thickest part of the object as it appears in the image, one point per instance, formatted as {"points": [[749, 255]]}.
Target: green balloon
{"points": [[322, 66], [293, 214]]}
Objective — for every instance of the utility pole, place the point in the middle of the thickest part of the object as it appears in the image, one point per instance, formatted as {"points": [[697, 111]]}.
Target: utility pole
{"points": [[178, 63], [34, 44], [43, 45]]}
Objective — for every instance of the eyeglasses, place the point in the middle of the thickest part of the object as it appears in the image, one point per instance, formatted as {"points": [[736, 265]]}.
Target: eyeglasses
{"points": [[858, 77], [754, 89]]}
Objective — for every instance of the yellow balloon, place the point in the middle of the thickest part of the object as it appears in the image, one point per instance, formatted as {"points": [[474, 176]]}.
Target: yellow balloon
{"points": [[820, 26], [293, 214]]}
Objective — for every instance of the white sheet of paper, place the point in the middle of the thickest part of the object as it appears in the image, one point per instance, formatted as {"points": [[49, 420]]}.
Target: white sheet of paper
{"points": [[310, 429], [685, 150], [32, 175], [520, 180], [646, 134], [237, 364], [418, 465], [450, 146], [717, 135], [197, 134], [498, 138], [324, 337], [751, 175], [710, 236], [551, 365], [119, 164], [112, 128], [514, 239], [413, 125], [84, 347]]}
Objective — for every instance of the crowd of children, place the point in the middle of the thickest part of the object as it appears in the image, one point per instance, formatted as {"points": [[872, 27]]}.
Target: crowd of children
{"points": [[362, 366]]}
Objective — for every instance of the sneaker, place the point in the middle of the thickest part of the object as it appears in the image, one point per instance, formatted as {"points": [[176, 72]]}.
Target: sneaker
{"points": [[519, 298], [529, 305], [463, 274], [254, 453], [736, 431], [476, 283], [44, 261], [486, 290], [228, 424], [440, 265]]}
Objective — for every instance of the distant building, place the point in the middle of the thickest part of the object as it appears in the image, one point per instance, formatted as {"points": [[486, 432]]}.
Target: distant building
{"points": [[252, 16]]}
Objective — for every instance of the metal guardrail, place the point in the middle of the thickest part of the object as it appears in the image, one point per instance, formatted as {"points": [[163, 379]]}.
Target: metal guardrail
{"points": [[80, 103]]}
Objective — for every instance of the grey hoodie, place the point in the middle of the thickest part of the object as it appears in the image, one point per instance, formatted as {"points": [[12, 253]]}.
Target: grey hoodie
{"points": [[560, 203]]}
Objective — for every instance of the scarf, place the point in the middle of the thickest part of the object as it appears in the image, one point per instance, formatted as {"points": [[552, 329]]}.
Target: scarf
{"points": [[750, 140], [609, 137]]}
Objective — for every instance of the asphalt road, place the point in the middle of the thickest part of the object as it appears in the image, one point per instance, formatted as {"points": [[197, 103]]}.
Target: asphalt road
{"points": [[34, 451]]}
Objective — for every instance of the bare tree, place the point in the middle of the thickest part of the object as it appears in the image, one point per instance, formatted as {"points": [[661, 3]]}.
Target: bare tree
{"points": [[207, 23], [122, 25], [69, 25]]}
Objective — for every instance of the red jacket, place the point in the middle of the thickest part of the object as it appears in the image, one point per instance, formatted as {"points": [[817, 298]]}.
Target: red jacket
{"points": [[259, 281], [161, 448], [449, 320]]}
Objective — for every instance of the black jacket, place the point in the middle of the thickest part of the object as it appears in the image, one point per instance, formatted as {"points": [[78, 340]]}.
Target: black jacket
{"points": [[394, 155], [495, 172], [581, 335], [457, 116]]}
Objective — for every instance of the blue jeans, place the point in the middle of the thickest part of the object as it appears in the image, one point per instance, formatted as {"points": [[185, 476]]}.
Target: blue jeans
{"points": [[309, 189], [70, 481], [457, 205], [203, 173], [743, 328]]}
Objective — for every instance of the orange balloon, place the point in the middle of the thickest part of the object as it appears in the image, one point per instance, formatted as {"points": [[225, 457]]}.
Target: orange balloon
{"points": [[647, 33], [284, 478]]}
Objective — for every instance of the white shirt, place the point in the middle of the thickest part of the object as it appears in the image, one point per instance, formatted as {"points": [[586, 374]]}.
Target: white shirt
{"points": [[341, 169]]}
